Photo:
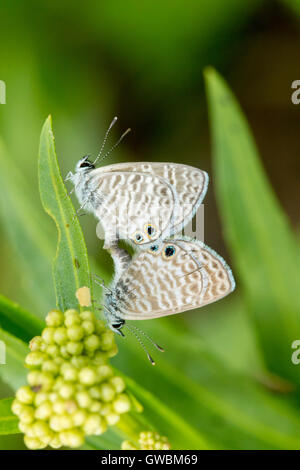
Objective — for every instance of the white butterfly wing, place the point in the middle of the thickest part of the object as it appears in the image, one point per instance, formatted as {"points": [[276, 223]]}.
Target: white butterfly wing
{"points": [[189, 183], [155, 285], [127, 202]]}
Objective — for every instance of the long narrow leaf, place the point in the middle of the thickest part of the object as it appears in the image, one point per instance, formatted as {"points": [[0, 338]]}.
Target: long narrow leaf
{"points": [[263, 247], [27, 233], [8, 421], [70, 267], [17, 321], [13, 372]]}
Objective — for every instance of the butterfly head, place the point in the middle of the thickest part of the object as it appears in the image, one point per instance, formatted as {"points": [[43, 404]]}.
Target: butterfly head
{"points": [[84, 165], [115, 323]]}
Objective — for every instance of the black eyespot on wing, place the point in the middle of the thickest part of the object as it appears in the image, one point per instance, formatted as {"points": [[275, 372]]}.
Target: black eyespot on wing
{"points": [[153, 248], [169, 251], [138, 237], [150, 230]]}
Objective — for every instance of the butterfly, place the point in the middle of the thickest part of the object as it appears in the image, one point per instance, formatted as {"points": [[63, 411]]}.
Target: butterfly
{"points": [[171, 277], [141, 202]]}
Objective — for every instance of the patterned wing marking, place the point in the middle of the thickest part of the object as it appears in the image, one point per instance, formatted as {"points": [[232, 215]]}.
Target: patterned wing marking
{"points": [[130, 201], [189, 182], [193, 277]]}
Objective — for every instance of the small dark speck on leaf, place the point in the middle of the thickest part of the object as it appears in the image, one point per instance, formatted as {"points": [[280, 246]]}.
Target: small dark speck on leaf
{"points": [[76, 263], [67, 225]]}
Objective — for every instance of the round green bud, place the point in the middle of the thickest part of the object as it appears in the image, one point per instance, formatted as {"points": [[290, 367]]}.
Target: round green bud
{"points": [[88, 327], [75, 332], [35, 358], [55, 423], [86, 315], [72, 319], [25, 428], [118, 384], [50, 366], [66, 422], [53, 397], [34, 378], [17, 407], [55, 318], [48, 335], [127, 445], [71, 406], [25, 395], [69, 372], [40, 398], [95, 407], [100, 326], [64, 352], [92, 342], [53, 350], [41, 429], [95, 392], [100, 358], [66, 391], [121, 404], [44, 410], [59, 360], [55, 443], [70, 311], [79, 361], [72, 438], [87, 376], [83, 399], [36, 344], [46, 381], [60, 336], [33, 443], [112, 418], [107, 340], [106, 409], [74, 348], [94, 425], [107, 392], [59, 407], [79, 417], [105, 371], [27, 415], [113, 351]]}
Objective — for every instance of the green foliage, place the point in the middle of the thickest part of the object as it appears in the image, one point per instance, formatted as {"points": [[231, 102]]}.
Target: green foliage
{"points": [[264, 250], [17, 320], [8, 421], [70, 266], [192, 396], [21, 220]]}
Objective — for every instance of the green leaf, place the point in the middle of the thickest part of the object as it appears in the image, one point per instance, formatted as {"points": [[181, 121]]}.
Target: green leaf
{"points": [[226, 408], [13, 372], [264, 250], [8, 421], [16, 320], [27, 232], [71, 266]]}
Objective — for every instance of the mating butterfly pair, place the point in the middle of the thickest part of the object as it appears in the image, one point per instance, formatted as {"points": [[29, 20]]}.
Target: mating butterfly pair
{"points": [[148, 204]]}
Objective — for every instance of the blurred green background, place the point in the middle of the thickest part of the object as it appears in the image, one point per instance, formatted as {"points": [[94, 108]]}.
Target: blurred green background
{"points": [[144, 61]]}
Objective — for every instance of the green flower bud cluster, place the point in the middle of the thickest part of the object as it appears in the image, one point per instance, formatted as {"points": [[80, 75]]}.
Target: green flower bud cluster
{"points": [[72, 391], [148, 440]]}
